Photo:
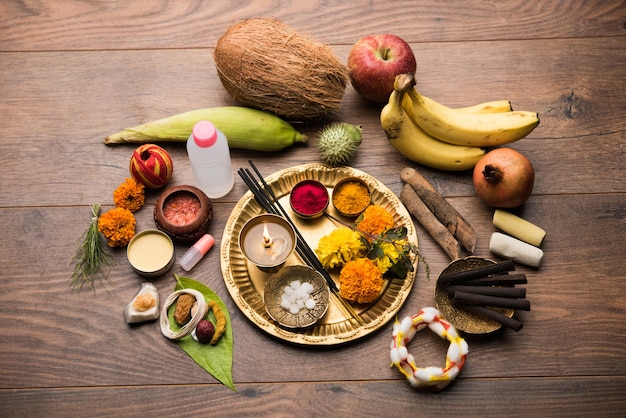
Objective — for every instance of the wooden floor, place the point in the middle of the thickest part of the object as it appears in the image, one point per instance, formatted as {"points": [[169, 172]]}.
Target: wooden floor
{"points": [[72, 72]]}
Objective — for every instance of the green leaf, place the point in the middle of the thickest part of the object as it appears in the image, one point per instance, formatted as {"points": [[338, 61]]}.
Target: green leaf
{"points": [[395, 234], [216, 359]]}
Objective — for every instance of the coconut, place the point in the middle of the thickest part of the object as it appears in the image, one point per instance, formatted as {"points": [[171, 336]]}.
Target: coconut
{"points": [[266, 64]]}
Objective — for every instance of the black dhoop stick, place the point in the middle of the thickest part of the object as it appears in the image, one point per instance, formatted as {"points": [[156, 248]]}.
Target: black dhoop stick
{"points": [[467, 298], [461, 276], [497, 280], [504, 292], [501, 318]]}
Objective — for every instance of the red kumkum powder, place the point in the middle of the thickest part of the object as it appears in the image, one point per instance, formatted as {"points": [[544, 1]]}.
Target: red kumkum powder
{"points": [[181, 209], [309, 198]]}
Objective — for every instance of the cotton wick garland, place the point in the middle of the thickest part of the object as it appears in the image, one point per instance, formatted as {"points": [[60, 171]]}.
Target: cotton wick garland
{"points": [[435, 378], [198, 312], [151, 165]]}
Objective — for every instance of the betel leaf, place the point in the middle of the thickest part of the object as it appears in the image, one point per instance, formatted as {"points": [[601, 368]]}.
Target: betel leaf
{"points": [[216, 359]]}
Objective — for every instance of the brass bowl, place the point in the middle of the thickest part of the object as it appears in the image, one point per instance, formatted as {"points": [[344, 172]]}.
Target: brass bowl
{"points": [[344, 211], [251, 233], [460, 318], [273, 292], [191, 230], [296, 193]]}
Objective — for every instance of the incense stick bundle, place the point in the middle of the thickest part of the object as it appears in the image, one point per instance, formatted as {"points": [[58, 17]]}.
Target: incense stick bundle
{"points": [[479, 290]]}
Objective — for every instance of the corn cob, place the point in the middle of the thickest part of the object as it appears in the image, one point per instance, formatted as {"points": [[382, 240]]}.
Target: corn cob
{"points": [[244, 127]]}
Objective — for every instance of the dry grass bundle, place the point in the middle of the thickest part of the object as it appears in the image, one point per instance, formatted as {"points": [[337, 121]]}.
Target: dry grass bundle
{"points": [[266, 64]]}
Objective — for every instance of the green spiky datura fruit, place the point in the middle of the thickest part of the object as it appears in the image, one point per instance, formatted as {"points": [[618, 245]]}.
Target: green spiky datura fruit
{"points": [[338, 143]]}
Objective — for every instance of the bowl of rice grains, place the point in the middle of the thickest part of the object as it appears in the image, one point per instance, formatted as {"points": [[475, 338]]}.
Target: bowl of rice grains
{"points": [[296, 297], [351, 196]]}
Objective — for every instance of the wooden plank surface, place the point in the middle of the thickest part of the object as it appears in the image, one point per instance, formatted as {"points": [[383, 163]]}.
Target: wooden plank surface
{"points": [[519, 397], [72, 72], [156, 24]]}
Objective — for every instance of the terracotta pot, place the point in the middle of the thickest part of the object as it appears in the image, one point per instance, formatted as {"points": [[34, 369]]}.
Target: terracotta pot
{"points": [[184, 228]]}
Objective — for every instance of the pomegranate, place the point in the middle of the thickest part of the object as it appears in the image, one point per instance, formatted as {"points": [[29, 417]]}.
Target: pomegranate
{"points": [[503, 178]]}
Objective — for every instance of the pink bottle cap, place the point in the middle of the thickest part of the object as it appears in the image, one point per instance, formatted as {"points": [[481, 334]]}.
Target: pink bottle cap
{"points": [[204, 134], [205, 243]]}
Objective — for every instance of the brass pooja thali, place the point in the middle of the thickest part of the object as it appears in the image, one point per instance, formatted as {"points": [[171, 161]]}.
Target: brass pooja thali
{"points": [[246, 283]]}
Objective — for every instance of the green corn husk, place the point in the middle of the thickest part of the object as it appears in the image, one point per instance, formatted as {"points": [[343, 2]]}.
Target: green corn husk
{"points": [[244, 127]]}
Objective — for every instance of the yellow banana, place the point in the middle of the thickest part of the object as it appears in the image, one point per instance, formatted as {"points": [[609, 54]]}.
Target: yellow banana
{"points": [[494, 106], [467, 128], [415, 144]]}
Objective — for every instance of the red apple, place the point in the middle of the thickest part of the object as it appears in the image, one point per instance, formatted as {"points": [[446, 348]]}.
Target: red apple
{"points": [[375, 61]]}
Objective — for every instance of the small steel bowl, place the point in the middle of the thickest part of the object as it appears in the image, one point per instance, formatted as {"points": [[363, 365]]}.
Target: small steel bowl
{"points": [[189, 230], [274, 289], [350, 212], [319, 201], [151, 253]]}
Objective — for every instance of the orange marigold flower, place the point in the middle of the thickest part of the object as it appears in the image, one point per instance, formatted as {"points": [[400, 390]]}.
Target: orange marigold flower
{"points": [[118, 226], [130, 195], [360, 281], [374, 220]]}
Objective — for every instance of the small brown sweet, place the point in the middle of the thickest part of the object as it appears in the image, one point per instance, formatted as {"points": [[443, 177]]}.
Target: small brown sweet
{"points": [[184, 303]]}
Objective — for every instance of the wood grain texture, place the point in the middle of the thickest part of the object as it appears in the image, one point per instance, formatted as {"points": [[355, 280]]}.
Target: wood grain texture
{"points": [[162, 24], [580, 111], [537, 397], [72, 72]]}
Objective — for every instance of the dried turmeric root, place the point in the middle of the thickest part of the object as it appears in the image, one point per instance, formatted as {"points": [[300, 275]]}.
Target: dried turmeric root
{"points": [[220, 321]]}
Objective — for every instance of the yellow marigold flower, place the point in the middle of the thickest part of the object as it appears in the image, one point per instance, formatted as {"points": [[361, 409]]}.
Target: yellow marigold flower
{"points": [[374, 220], [129, 195], [339, 247], [118, 226], [360, 281], [391, 250], [390, 255], [383, 264]]}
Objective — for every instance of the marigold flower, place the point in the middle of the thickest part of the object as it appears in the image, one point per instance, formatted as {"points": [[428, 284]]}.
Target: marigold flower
{"points": [[388, 255], [340, 246], [360, 281], [130, 195], [118, 226], [374, 220]]}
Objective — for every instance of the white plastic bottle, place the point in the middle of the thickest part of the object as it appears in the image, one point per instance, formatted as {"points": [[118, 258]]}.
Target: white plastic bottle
{"points": [[209, 156]]}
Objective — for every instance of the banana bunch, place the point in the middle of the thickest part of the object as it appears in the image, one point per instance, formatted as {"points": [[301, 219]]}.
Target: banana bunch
{"points": [[441, 137]]}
